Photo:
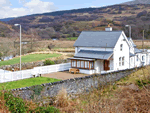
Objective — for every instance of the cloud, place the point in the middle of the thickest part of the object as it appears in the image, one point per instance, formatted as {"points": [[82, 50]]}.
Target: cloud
{"points": [[31, 7], [4, 3], [95, 6], [37, 6]]}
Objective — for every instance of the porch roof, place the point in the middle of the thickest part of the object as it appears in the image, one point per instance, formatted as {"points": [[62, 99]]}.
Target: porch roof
{"points": [[94, 54], [73, 58]]}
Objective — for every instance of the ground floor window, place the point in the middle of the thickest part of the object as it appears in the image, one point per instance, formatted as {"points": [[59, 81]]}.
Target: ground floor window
{"points": [[143, 58], [121, 61], [73, 63], [82, 64]]}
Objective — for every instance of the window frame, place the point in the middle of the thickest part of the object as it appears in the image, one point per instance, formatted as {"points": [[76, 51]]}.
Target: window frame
{"points": [[121, 47], [119, 61], [123, 59], [85, 65]]}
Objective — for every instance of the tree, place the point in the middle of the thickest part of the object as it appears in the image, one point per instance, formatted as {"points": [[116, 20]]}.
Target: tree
{"points": [[63, 30], [4, 48], [1, 55]]}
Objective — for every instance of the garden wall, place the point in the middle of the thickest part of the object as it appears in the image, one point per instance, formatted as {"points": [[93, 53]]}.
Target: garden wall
{"points": [[72, 86]]}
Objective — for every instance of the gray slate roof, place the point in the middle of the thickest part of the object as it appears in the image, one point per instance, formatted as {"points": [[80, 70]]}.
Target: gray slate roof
{"points": [[137, 50], [98, 39], [94, 54], [132, 54], [132, 41]]}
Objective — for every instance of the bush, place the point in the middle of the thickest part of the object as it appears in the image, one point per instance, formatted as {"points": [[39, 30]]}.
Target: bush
{"points": [[48, 62], [15, 105], [142, 83], [46, 110]]}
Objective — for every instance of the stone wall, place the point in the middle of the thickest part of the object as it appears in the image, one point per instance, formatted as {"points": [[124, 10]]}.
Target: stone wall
{"points": [[72, 86]]}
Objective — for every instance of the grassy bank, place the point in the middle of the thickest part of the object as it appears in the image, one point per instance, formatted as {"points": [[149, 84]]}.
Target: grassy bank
{"points": [[72, 38], [29, 58], [26, 83], [128, 95]]}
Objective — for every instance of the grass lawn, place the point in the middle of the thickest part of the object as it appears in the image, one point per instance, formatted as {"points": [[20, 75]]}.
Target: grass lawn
{"points": [[72, 38], [29, 58], [26, 83]]}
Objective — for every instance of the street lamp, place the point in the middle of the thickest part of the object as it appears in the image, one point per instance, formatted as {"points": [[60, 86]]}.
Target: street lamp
{"points": [[20, 43], [129, 30]]}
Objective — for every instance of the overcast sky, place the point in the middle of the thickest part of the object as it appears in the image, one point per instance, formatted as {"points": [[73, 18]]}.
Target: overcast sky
{"points": [[15, 8]]}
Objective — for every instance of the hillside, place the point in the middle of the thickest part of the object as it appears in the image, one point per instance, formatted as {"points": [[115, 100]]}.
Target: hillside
{"points": [[70, 23], [137, 2], [5, 29]]}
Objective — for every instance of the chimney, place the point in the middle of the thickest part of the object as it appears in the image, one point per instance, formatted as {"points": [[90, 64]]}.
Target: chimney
{"points": [[108, 28]]}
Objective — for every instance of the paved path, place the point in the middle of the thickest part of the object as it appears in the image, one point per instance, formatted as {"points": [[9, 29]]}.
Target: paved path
{"points": [[63, 75]]}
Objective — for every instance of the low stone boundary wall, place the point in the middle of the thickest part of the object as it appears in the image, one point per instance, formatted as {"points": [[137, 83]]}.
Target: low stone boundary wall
{"points": [[72, 86]]}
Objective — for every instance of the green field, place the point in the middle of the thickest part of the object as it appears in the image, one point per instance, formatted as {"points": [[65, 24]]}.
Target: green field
{"points": [[29, 58], [26, 83], [72, 38]]}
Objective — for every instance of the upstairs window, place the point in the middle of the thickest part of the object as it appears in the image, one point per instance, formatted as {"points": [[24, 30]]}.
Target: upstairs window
{"points": [[121, 47]]}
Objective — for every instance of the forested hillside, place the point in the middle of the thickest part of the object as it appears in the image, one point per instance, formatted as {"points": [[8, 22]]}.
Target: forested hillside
{"points": [[62, 24]]}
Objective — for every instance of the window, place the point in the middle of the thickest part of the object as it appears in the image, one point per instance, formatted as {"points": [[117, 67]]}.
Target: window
{"points": [[91, 65], [86, 66], [73, 63], [78, 64], [131, 60], [121, 47], [143, 58], [119, 61], [122, 61], [82, 64], [137, 58]]}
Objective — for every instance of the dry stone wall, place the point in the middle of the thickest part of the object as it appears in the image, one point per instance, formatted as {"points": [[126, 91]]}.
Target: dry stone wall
{"points": [[72, 86]]}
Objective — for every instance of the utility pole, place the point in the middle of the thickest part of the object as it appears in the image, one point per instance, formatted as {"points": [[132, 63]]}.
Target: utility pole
{"points": [[143, 41]]}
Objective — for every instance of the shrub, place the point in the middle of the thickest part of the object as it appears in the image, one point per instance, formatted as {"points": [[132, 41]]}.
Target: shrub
{"points": [[15, 105], [48, 62], [49, 109], [142, 83]]}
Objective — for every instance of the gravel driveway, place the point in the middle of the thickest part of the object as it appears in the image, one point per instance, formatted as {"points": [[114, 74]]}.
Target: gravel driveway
{"points": [[63, 75]]}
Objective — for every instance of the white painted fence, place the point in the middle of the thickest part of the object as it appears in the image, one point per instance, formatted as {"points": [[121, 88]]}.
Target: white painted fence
{"points": [[18, 75]]}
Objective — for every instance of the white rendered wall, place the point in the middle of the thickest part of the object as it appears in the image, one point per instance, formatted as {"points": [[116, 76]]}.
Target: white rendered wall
{"points": [[111, 65], [99, 66], [123, 53], [86, 71], [132, 62], [138, 63]]}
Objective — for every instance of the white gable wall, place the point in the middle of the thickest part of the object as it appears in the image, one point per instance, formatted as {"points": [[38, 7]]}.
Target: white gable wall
{"points": [[124, 53]]}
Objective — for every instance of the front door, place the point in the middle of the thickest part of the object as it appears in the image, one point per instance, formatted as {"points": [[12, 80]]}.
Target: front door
{"points": [[106, 65]]}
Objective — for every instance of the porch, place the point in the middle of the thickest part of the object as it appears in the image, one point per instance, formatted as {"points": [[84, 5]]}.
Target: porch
{"points": [[91, 66]]}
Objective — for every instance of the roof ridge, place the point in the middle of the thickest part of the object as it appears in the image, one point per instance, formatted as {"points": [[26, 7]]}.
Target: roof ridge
{"points": [[101, 31]]}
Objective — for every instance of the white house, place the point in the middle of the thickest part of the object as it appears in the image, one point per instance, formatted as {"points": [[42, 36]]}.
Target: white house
{"points": [[100, 51]]}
